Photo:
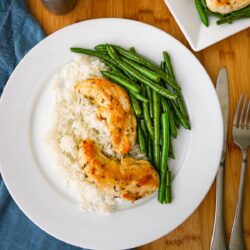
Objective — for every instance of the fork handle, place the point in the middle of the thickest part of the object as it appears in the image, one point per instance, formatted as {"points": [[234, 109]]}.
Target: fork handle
{"points": [[237, 240], [218, 241]]}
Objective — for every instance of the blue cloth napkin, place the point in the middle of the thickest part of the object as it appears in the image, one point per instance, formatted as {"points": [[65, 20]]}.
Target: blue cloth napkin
{"points": [[19, 32]]}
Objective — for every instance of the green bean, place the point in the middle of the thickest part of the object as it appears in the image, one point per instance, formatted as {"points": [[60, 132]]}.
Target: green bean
{"points": [[165, 107], [132, 49], [146, 116], [231, 18], [141, 140], [176, 121], [112, 66], [201, 12], [168, 193], [145, 132], [104, 57], [203, 2], [101, 48], [171, 151], [179, 98], [163, 66], [165, 142], [112, 53], [127, 77], [168, 64], [98, 54], [183, 120], [129, 69], [122, 80], [103, 52], [240, 11], [162, 188], [150, 149], [143, 126], [143, 61], [125, 82], [164, 171], [139, 97], [149, 95], [156, 87], [173, 129], [209, 12], [182, 106], [143, 70], [92, 53], [136, 106], [120, 75], [228, 18], [157, 112], [109, 50], [174, 112]]}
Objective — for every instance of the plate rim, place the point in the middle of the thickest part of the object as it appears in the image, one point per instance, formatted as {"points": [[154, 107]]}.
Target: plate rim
{"points": [[155, 236]]}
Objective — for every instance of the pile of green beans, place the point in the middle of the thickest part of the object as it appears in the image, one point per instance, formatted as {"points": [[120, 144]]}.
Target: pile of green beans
{"points": [[204, 12], [157, 102]]}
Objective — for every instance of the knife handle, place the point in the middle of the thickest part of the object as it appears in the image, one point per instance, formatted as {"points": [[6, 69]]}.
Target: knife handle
{"points": [[218, 241]]}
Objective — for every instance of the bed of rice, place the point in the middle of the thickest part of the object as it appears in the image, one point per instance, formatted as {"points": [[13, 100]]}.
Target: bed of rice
{"points": [[73, 119]]}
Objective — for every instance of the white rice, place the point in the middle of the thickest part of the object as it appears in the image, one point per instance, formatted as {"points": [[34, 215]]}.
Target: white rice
{"points": [[73, 119]]}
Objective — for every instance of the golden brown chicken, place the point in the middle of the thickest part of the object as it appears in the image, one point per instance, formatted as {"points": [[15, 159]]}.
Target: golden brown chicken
{"points": [[127, 178], [114, 106], [226, 6]]}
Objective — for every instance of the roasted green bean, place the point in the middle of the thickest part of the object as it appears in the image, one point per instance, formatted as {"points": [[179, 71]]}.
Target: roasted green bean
{"points": [[157, 113], [122, 80]]}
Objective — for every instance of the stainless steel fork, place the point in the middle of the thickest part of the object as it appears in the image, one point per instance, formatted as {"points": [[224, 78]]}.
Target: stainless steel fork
{"points": [[241, 137]]}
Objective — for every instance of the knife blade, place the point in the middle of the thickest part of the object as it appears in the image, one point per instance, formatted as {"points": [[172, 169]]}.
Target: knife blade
{"points": [[218, 241], [222, 93]]}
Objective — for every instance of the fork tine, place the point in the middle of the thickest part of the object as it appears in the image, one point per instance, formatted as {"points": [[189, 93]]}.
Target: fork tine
{"points": [[236, 114], [241, 122], [246, 123]]}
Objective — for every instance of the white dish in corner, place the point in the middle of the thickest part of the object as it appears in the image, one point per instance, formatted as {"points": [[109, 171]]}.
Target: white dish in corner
{"points": [[198, 35]]}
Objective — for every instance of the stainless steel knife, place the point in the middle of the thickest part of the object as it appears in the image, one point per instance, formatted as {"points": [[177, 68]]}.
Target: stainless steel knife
{"points": [[218, 241]]}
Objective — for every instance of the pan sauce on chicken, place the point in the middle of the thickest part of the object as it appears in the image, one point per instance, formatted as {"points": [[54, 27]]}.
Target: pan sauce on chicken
{"points": [[114, 107], [226, 6], [127, 178]]}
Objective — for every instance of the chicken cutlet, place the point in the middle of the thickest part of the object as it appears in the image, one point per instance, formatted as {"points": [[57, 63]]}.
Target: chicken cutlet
{"points": [[226, 6], [128, 178], [113, 106]]}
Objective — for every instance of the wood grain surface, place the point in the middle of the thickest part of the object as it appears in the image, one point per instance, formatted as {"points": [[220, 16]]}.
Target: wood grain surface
{"points": [[233, 52]]}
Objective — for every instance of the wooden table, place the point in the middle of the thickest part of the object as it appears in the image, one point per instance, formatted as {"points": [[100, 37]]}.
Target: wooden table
{"points": [[234, 52]]}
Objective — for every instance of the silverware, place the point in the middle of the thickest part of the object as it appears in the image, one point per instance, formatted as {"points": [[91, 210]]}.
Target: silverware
{"points": [[218, 241], [241, 137]]}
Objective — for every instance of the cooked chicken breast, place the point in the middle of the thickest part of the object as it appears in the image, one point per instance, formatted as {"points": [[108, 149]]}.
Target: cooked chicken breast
{"points": [[226, 6], [113, 106], [127, 178]]}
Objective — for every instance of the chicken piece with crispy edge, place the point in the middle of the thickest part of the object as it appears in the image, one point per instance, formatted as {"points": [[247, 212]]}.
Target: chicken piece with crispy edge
{"points": [[113, 106], [226, 6], [128, 178]]}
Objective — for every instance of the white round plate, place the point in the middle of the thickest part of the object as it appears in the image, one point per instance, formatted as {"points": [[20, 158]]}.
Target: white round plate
{"points": [[25, 166]]}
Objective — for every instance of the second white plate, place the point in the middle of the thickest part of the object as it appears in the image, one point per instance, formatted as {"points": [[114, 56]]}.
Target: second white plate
{"points": [[198, 35]]}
